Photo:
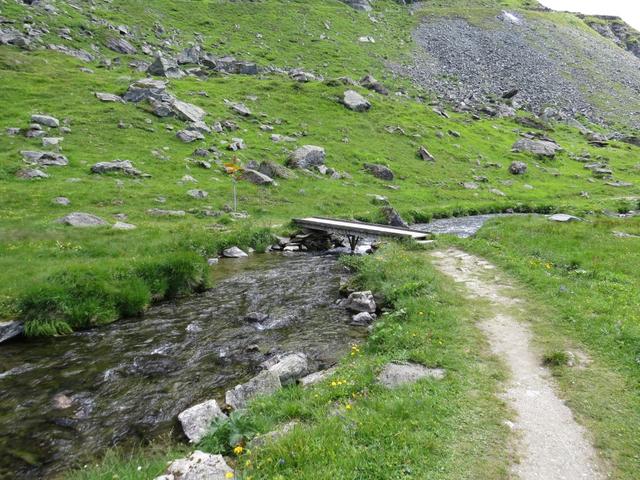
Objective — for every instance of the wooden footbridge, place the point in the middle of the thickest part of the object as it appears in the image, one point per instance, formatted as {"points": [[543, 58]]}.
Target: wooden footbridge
{"points": [[354, 231]]}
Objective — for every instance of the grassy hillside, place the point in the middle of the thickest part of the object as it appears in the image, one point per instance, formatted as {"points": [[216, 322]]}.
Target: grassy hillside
{"points": [[319, 36]]}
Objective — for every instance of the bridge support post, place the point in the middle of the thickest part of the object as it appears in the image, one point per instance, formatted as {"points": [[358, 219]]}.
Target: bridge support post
{"points": [[353, 242]]}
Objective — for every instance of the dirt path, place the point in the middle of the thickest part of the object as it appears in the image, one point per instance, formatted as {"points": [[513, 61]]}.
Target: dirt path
{"points": [[552, 445]]}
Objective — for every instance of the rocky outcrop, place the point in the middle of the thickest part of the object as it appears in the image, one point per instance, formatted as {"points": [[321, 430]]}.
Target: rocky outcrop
{"points": [[165, 67], [44, 159], [617, 30], [543, 148], [117, 166], [120, 45]]}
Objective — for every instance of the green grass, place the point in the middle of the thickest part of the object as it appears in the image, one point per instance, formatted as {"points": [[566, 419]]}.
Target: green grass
{"points": [[584, 282], [352, 427], [34, 249]]}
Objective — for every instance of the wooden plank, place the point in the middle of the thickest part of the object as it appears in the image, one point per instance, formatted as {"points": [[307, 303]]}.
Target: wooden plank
{"points": [[347, 227]]}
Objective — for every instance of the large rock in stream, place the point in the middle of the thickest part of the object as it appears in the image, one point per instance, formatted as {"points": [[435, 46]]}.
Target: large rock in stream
{"points": [[9, 330], [361, 302]]}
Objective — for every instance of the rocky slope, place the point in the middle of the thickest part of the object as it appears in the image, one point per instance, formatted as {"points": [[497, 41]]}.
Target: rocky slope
{"points": [[559, 68]]}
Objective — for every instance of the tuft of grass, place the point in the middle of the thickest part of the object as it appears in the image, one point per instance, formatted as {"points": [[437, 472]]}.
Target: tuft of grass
{"points": [[555, 359]]}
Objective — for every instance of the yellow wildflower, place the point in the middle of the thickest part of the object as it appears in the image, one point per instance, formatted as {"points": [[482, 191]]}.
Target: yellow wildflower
{"points": [[238, 450], [228, 475]]}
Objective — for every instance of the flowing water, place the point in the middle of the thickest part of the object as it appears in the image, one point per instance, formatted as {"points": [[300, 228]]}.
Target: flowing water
{"points": [[64, 400], [462, 227]]}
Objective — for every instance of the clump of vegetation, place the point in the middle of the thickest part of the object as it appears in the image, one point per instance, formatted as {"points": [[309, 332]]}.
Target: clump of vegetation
{"points": [[555, 359], [83, 297], [229, 433]]}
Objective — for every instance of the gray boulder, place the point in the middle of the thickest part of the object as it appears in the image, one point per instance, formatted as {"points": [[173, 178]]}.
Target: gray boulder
{"points": [[190, 55], [64, 201], [148, 89], [291, 367], [257, 178], [196, 420], [317, 377], [120, 45], [543, 148], [158, 212], [274, 170], [187, 111], [264, 383], [361, 302], [165, 67], [123, 226], [188, 136], [117, 166], [240, 109], [9, 330], [369, 82], [518, 168], [198, 194], [306, 156], [45, 120], [379, 171], [362, 319], [233, 252], [45, 159], [108, 97], [31, 174], [51, 141], [392, 217], [80, 219], [197, 466], [424, 154], [354, 101], [397, 374], [564, 218]]}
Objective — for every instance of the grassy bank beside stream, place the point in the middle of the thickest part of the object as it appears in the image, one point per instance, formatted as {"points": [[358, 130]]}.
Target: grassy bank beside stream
{"points": [[351, 427]]}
